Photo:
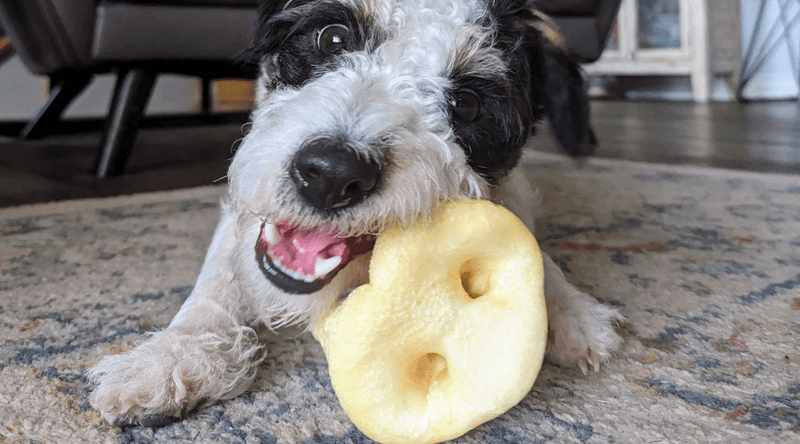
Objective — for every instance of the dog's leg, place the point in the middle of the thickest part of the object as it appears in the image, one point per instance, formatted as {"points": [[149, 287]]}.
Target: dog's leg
{"points": [[581, 330], [206, 353]]}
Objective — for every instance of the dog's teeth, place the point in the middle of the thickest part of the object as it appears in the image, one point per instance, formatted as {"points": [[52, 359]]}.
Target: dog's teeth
{"points": [[325, 266], [321, 268], [277, 263], [270, 233]]}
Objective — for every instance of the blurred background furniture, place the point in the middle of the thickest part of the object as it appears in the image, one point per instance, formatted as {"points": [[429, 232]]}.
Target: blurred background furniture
{"points": [[695, 38], [6, 50], [71, 41], [760, 49]]}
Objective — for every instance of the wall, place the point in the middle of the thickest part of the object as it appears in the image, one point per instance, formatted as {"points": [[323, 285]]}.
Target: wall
{"points": [[21, 94]]}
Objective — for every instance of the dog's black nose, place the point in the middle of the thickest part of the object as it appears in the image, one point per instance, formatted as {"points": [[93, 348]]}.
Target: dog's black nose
{"points": [[330, 176]]}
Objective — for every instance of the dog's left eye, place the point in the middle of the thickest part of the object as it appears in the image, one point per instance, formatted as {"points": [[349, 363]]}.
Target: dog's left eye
{"points": [[333, 39], [465, 105]]}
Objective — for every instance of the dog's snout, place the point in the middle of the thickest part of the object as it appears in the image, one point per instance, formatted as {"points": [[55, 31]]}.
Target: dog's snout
{"points": [[329, 175]]}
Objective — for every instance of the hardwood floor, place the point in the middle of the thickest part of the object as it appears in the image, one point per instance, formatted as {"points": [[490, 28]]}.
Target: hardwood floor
{"points": [[758, 136], [58, 168], [763, 136]]}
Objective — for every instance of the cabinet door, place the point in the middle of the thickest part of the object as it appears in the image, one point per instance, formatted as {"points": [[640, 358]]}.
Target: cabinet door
{"points": [[651, 37], [659, 24]]}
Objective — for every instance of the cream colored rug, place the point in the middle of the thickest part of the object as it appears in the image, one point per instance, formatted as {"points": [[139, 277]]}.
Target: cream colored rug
{"points": [[704, 263]]}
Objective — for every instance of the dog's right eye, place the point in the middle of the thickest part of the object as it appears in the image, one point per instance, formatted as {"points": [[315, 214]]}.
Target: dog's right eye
{"points": [[333, 38], [465, 105]]}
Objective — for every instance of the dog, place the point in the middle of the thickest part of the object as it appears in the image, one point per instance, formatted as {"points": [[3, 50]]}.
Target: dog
{"points": [[368, 113]]}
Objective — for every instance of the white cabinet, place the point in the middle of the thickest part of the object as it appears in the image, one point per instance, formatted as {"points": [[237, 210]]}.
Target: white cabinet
{"points": [[696, 38]]}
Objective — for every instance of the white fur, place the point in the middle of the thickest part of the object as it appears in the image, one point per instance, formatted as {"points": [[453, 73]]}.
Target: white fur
{"points": [[209, 351]]}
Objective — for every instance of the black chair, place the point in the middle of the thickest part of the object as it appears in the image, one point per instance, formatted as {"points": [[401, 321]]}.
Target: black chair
{"points": [[71, 41]]}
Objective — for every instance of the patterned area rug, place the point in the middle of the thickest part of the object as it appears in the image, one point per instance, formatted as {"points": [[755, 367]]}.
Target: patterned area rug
{"points": [[704, 263]]}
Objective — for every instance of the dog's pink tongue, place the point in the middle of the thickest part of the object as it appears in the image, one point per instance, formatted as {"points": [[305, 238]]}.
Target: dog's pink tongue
{"points": [[299, 249]]}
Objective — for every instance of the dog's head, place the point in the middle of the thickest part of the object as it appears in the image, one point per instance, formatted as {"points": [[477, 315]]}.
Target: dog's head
{"points": [[372, 111]]}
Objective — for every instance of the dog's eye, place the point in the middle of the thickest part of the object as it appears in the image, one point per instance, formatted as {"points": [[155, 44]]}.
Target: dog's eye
{"points": [[465, 105], [333, 39]]}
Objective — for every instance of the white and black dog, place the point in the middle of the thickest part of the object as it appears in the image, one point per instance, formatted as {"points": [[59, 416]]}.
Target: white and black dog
{"points": [[368, 112]]}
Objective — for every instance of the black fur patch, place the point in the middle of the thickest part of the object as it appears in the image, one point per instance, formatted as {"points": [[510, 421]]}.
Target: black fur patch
{"points": [[287, 39], [565, 100], [557, 88], [541, 81], [494, 142]]}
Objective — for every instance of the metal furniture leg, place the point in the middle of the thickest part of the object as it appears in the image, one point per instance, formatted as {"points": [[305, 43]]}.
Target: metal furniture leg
{"points": [[63, 90], [131, 94]]}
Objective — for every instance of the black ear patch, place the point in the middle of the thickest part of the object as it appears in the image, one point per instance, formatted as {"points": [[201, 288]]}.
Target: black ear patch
{"points": [[565, 101], [557, 85]]}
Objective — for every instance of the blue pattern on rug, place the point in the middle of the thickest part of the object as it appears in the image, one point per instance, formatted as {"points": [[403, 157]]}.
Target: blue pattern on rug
{"points": [[705, 265]]}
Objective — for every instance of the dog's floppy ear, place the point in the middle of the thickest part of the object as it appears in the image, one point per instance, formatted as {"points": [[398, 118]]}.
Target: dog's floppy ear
{"points": [[557, 84]]}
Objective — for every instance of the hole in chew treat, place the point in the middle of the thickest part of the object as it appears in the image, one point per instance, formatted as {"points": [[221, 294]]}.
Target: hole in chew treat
{"points": [[474, 278], [425, 371]]}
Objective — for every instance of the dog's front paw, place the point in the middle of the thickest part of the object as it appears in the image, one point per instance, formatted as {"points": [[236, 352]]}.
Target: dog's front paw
{"points": [[581, 331], [172, 373]]}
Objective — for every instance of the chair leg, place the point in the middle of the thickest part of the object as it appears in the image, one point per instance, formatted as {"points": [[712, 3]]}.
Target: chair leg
{"points": [[206, 97], [62, 91], [127, 108]]}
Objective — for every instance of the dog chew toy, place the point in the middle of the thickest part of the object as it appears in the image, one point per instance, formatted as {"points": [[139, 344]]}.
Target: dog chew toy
{"points": [[449, 333]]}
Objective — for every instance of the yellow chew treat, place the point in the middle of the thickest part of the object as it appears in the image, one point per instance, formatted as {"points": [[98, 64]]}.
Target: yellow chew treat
{"points": [[449, 333]]}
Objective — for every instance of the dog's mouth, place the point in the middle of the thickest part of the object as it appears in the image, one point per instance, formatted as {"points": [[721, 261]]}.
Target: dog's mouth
{"points": [[304, 260]]}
